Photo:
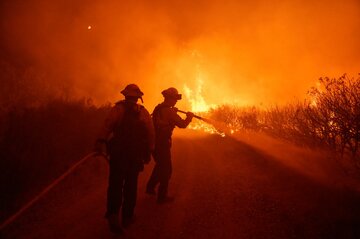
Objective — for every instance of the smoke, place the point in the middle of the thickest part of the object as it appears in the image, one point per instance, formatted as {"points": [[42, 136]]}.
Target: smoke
{"points": [[247, 52]]}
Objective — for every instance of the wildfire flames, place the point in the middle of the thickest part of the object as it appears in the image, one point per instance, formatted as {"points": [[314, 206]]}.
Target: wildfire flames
{"points": [[200, 107], [195, 96]]}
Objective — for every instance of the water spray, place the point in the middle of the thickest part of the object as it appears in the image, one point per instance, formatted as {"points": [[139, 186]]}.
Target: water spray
{"points": [[219, 126]]}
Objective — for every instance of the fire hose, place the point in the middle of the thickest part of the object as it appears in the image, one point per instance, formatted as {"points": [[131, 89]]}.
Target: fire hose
{"points": [[48, 188], [220, 127], [196, 116]]}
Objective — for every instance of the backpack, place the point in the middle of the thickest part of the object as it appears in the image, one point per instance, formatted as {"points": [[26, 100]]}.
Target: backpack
{"points": [[129, 145]]}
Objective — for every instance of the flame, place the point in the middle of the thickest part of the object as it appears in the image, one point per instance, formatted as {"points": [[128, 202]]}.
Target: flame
{"points": [[313, 98], [197, 101], [199, 105]]}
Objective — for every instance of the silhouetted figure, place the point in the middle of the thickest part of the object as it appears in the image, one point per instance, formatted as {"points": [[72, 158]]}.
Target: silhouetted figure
{"points": [[165, 119], [128, 133]]}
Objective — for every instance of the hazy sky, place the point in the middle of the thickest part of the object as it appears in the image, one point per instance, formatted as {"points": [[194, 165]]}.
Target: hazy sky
{"points": [[247, 52]]}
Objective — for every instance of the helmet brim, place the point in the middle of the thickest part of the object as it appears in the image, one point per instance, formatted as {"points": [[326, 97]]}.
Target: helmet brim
{"points": [[176, 97], [132, 93]]}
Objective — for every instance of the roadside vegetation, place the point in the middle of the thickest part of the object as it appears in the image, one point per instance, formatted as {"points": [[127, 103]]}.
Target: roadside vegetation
{"points": [[329, 117], [38, 144]]}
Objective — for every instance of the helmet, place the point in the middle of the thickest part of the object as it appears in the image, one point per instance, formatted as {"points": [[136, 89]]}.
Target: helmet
{"points": [[171, 93], [132, 90]]}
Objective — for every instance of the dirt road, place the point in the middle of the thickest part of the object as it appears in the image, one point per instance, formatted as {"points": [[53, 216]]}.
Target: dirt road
{"points": [[223, 188]]}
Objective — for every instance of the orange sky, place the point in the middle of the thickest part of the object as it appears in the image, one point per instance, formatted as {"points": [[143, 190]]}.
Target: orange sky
{"points": [[247, 52]]}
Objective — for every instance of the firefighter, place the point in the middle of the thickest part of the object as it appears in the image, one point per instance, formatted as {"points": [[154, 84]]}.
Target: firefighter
{"points": [[165, 119], [128, 134]]}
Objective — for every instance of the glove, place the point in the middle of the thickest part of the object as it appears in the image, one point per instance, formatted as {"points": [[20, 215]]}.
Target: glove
{"points": [[189, 115]]}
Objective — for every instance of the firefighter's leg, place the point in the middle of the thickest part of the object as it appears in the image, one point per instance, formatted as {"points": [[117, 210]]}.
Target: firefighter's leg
{"points": [[165, 174], [114, 193], [153, 180], [130, 194], [114, 199]]}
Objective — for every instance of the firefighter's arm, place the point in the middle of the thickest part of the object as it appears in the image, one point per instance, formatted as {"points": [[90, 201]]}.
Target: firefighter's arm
{"points": [[115, 114], [178, 121]]}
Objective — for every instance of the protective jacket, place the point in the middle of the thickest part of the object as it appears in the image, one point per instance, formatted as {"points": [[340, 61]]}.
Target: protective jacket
{"points": [[165, 119], [130, 135]]}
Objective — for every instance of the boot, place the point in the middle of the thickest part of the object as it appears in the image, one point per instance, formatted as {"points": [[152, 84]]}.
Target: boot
{"points": [[127, 221], [114, 225]]}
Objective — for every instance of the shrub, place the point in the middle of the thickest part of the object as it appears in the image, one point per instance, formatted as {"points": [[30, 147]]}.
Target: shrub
{"points": [[336, 112], [330, 117], [38, 144]]}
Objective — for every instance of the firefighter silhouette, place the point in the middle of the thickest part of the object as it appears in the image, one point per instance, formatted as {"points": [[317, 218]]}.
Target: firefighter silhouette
{"points": [[128, 134], [165, 119]]}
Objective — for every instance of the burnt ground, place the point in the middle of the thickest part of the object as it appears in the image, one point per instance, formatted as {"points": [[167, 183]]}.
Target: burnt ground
{"points": [[223, 188]]}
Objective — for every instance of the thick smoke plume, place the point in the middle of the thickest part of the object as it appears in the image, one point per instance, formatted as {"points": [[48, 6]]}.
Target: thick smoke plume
{"points": [[245, 52]]}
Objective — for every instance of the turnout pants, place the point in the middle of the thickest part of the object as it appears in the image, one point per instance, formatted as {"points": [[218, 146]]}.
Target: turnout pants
{"points": [[161, 173], [122, 191]]}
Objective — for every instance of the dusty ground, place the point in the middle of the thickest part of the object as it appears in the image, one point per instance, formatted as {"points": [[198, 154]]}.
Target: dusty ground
{"points": [[224, 187]]}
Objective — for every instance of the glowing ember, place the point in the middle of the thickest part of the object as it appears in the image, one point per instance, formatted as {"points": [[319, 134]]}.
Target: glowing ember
{"points": [[89, 27]]}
